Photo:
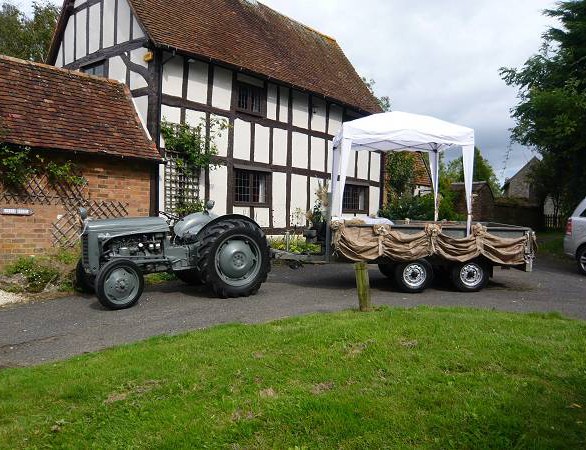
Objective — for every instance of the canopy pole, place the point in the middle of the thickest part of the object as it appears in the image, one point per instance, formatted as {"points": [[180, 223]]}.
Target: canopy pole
{"points": [[436, 186]]}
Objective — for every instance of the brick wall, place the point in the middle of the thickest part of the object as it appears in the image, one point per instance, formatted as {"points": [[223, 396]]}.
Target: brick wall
{"points": [[109, 179]]}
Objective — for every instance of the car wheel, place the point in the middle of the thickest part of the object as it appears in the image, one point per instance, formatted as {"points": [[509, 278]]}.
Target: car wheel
{"points": [[119, 284], [413, 276], [470, 276], [581, 259]]}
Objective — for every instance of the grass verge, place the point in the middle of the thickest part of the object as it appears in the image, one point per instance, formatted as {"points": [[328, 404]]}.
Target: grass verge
{"points": [[551, 243], [429, 378]]}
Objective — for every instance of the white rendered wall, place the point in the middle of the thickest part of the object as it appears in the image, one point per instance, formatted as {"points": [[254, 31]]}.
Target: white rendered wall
{"points": [[59, 61], [173, 76], [351, 165], [373, 200], [335, 119], [261, 216], [123, 22], [242, 210], [279, 147], [330, 157], [108, 29], [219, 189], [272, 94], [142, 106], [222, 91], [279, 200], [69, 41], [136, 30], [299, 150], [222, 140], [94, 31], [318, 119], [300, 109], [117, 69], [363, 165], [283, 104], [137, 81], [81, 34], [195, 118], [318, 154], [261, 144], [375, 166], [241, 139], [197, 82], [298, 197]]}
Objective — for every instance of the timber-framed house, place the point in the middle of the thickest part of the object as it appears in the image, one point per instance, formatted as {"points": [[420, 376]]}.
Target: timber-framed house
{"points": [[284, 89]]}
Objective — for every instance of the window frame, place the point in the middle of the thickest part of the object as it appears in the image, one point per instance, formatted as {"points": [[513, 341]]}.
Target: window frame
{"points": [[262, 92], [101, 62], [366, 190], [268, 187]]}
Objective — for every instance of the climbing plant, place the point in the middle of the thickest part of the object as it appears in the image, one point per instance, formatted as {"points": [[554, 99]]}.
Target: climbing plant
{"points": [[194, 147], [18, 164]]}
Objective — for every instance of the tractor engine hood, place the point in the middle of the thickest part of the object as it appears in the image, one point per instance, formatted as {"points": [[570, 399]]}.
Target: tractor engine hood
{"points": [[131, 225]]}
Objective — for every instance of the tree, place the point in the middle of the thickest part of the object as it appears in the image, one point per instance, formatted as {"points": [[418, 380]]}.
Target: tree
{"points": [[483, 171], [27, 37], [552, 103], [384, 101]]}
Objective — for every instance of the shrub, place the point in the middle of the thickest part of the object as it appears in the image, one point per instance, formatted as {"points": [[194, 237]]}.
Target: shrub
{"points": [[297, 244], [37, 275]]}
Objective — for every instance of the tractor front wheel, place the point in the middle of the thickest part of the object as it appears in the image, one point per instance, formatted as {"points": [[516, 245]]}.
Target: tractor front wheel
{"points": [[234, 258], [119, 284]]}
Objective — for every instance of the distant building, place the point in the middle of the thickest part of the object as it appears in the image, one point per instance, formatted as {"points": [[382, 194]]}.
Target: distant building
{"points": [[482, 200], [520, 185]]}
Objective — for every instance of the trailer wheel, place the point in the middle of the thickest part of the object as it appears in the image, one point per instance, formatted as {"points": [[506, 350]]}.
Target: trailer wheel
{"points": [[189, 276], [413, 276], [469, 276], [119, 284], [234, 258], [388, 269], [83, 281]]}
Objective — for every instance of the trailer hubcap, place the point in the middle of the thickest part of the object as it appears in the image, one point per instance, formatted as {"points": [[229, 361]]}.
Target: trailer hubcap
{"points": [[237, 261], [120, 285], [414, 275], [471, 275]]}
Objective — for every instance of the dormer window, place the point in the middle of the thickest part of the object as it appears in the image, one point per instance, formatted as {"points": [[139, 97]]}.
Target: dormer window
{"points": [[251, 95], [98, 69]]}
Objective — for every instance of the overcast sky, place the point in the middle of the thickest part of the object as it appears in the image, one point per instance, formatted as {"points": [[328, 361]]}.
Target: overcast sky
{"points": [[436, 57]]}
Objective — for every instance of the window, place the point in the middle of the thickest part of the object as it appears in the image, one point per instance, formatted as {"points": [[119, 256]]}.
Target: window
{"points": [[98, 69], [250, 99], [251, 187], [355, 199]]}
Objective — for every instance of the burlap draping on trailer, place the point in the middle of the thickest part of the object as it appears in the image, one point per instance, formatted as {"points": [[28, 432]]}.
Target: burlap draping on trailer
{"points": [[369, 243]]}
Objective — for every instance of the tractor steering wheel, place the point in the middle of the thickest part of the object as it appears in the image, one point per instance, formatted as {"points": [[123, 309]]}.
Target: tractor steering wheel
{"points": [[170, 217]]}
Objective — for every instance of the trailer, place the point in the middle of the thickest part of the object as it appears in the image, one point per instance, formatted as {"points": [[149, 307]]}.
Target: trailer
{"points": [[412, 252]]}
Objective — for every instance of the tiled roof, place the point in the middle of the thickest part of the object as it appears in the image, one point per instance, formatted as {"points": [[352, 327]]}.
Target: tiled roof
{"points": [[248, 35], [45, 107], [422, 174]]}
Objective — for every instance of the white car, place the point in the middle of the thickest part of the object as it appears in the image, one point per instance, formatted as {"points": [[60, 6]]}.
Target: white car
{"points": [[575, 238]]}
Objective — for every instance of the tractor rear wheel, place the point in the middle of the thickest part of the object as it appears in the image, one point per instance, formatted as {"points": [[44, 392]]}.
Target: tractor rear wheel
{"points": [[234, 258], [119, 284]]}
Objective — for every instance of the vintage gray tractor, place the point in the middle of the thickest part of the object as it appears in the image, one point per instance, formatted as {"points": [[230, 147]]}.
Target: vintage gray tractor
{"points": [[228, 253]]}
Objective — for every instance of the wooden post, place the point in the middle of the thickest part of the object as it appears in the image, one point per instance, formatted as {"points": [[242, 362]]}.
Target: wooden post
{"points": [[362, 286]]}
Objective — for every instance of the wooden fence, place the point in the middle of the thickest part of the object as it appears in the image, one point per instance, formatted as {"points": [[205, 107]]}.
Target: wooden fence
{"points": [[554, 223]]}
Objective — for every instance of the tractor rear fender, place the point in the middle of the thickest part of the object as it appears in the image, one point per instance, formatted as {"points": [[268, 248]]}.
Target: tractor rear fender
{"points": [[225, 217]]}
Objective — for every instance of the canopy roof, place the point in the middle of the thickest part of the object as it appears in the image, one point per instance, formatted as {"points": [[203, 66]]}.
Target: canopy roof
{"points": [[399, 131]]}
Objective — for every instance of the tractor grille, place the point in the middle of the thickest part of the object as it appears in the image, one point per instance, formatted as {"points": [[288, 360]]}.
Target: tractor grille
{"points": [[85, 252]]}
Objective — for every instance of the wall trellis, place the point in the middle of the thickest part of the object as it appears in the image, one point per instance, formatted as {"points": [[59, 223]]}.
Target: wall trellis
{"points": [[65, 230]]}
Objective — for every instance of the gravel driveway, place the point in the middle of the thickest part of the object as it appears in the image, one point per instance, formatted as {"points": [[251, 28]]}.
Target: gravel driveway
{"points": [[52, 330]]}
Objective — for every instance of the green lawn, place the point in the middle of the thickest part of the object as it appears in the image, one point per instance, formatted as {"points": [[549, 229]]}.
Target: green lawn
{"points": [[429, 378], [552, 243]]}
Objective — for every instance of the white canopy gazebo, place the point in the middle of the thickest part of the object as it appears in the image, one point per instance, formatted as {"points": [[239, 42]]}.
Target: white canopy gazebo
{"points": [[399, 131]]}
